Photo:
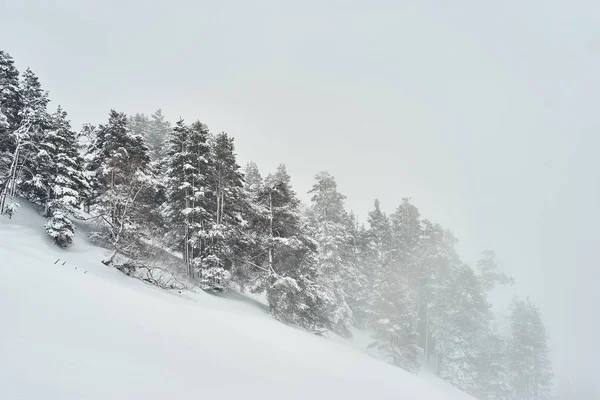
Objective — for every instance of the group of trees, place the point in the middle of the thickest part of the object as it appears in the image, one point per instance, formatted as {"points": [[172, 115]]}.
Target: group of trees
{"points": [[179, 187]]}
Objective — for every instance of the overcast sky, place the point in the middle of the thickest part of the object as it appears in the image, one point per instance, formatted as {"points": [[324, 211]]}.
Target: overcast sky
{"points": [[484, 113]]}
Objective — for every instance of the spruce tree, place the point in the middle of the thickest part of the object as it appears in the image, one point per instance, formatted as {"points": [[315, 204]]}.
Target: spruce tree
{"points": [[328, 220], [61, 174], [289, 263], [140, 125], [530, 361], [179, 189], [157, 136], [11, 101], [253, 231], [375, 250], [121, 166], [460, 329], [395, 323], [59, 178], [490, 277]]}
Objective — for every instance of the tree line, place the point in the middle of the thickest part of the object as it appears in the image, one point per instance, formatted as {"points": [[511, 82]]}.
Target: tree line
{"points": [[150, 184]]}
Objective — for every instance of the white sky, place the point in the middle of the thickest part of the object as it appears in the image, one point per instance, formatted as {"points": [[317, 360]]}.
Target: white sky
{"points": [[485, 114]]}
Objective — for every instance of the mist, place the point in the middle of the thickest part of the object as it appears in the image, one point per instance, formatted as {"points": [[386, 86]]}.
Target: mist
{"points": [[484, 115]]}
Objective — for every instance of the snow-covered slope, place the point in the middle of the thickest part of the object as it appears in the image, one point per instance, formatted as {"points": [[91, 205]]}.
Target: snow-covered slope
{"points": [[81, 330]]}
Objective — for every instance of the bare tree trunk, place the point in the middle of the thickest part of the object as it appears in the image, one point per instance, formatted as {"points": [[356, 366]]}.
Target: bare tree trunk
{"points": [[10, 186], [270, 236]]}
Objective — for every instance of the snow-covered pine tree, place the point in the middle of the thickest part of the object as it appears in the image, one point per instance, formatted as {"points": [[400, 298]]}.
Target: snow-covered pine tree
{"points": [[460, 329], [187, 210], [488, 272], [11, 104], [253, 240], [289, 259], [396, 320], [436, 257], [158, 133], [179, 189], [62, 176], [375, 252], [328, 221], [19, 144], [35, 103], [406, 235], [493, 368], [357, 285], [139, 125], [155, 130], [121, 166], [198, 171], [87, 139], [59, 178], [12, 161], [530, 361], [3, 121], [11, 101], [226, 204]]}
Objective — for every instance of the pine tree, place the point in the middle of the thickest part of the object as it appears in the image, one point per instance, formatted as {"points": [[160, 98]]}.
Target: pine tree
{"points": [[436, 257], [121, 166], [224, 250], [10, 121], [288, 258], [494, 374], [488, 272], [179, 191], [396, 319], [60, 176], [375, 250], [87, 144], [328, 220], [35, 103], [140, 125], [254, 237], [11, 101], [155, 130], [157, 136], [12, 163], [3, 121], [460, 329], [530, 362]]}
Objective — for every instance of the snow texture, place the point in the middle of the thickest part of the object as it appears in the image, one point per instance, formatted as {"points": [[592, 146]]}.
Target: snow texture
{"points": [[73, 328]]}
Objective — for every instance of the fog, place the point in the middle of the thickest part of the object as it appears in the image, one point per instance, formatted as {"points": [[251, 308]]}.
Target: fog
{"points": [[485, 115]]}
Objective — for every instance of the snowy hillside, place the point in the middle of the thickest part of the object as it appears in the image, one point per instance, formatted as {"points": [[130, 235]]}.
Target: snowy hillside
{"points": [[76, 329]]}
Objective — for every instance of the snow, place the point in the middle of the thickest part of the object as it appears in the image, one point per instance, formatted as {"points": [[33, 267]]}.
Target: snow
{"points": [[76, 329]]}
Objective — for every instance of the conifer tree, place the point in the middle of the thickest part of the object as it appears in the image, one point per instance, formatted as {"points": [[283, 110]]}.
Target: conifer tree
{"points": [[59, 179], [157, 136], [179, 192], [489, 275], [121, 166], [61, 175], [460, 329], [288, 260], [328, 220], [396, 320], [11, 101], [375, 253], [530, 361], [140, 125], [225, 237], [253, 227]]}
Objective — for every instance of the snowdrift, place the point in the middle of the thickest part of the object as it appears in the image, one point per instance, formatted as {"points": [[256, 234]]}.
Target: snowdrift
{"points": [[72, 328]]}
